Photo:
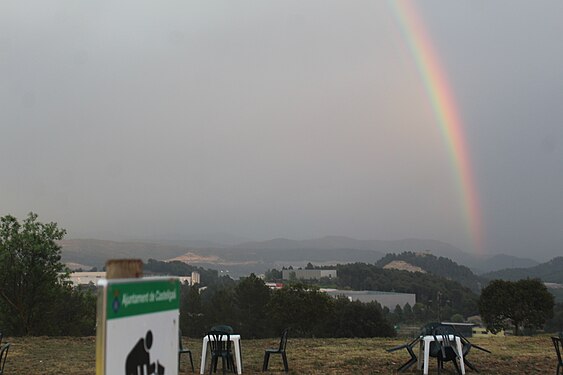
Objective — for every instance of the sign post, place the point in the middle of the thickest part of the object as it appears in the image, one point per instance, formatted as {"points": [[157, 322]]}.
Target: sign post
{"points": [[137, 326]]}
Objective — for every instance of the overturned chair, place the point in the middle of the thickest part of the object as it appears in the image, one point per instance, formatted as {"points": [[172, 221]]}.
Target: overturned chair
{"points": [[409, 348]]}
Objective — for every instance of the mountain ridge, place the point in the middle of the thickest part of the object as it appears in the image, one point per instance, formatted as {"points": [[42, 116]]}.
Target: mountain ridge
{"points": [[278, 252]]}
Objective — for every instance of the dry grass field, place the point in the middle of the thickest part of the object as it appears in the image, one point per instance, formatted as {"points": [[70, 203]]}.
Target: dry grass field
{"points": [[511, 355]]}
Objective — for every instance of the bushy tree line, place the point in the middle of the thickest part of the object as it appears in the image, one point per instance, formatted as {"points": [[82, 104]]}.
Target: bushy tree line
{"points": [[255, 311], [439, 266], [436, 296]]}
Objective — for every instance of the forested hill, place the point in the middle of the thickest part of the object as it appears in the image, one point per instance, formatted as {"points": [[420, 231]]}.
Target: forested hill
{"points": [[428, 288], [438, 266], [551, 272]]}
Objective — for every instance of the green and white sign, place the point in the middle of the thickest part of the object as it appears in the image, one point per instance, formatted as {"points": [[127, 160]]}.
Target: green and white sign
{"points": [[137, 331]]}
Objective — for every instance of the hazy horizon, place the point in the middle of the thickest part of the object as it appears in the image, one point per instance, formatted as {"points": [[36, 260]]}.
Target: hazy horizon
{"points": [[291, 119]]}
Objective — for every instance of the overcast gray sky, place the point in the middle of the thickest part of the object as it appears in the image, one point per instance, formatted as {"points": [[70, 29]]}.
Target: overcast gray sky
{"points": [[297, 119]]}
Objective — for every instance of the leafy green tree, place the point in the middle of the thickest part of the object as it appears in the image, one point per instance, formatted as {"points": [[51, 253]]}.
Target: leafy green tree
{"points": [[457, 318], [192, 320], [524, 303], [218, 305], [398, 313], [31, 273], [74, 313], [408, 315], [420, 312], [356, 319], [273, 275], [251, 299], [303, 310]]}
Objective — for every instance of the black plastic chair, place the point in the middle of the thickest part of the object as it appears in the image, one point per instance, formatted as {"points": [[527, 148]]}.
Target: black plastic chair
{"points": [[409, 347], [3, 355], [444, 350], [558, 349], [220, 345], [182, 350], [222, 328], [466, 347], [279, 350]]}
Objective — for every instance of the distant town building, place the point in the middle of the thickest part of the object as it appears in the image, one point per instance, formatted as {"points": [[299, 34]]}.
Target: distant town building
{"points": [[191, 280], [85, 278], [274, 285], [196, 278], [308, 274], [385, 299]]}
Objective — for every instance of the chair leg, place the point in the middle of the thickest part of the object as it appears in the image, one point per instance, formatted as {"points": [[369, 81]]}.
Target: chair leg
{"points": [[285, 365], [456, 367], [407, 365], [191, 361], [470, 365], [231, 364], [266, 360]]}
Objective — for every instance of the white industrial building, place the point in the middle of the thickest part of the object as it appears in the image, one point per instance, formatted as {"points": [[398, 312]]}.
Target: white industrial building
{"points": [[385, 299], [308, 274]]}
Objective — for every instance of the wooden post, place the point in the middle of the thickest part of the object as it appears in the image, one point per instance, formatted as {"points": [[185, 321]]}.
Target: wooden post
{"points": [[124, 269]]}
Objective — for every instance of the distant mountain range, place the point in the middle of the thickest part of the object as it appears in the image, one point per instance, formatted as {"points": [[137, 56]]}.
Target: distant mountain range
{"points": [[94, 253], [550, 272], [258, 256]]}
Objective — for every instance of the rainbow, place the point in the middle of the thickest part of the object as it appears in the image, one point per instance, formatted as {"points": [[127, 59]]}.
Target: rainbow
{"points": [[444, 106]]}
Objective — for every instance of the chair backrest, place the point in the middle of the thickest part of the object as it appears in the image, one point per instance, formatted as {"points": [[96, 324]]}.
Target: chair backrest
{"points": [[3, 355], [283, 340], [558, 345], [222, 328], [428, 328], [444, 329], [444, 348], [219, 341]]}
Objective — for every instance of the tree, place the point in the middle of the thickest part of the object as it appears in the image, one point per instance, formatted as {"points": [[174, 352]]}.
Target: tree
{"points": [[408, 315], [301, 308], [251, 298], [398, 313], [191, 311], [273, 275], [357, 319], [525, 303], [31, 273], [457, 318]]}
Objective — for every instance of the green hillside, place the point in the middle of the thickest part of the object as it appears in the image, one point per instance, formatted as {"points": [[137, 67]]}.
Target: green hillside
{"points": [[439, 266], [550, 272], [429, 288]]}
